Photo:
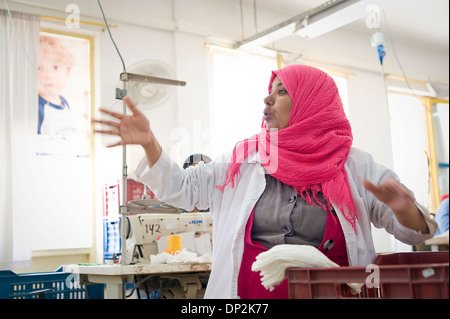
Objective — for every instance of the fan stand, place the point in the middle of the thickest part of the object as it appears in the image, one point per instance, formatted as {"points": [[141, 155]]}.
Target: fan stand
{"points": [[125, 77]]}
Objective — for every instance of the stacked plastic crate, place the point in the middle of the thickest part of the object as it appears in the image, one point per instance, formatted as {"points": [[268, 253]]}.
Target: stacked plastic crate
{"points": [[112, 200], [412, 275]]}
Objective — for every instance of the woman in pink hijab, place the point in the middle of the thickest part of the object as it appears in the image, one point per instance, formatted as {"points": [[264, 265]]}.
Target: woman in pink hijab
{"points": [[298, 181]]}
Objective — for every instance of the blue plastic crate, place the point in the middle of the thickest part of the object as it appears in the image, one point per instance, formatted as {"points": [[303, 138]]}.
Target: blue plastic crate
{"points": [[47, 285]]}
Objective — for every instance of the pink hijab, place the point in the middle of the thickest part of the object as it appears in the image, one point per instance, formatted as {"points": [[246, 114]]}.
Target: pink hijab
{"points": [[310, 153]]}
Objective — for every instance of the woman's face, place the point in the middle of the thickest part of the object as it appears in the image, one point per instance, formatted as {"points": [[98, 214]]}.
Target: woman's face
{"points": [[278, 106]]}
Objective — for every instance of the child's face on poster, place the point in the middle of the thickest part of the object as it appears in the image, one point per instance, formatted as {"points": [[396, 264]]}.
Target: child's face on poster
{"points": [[53, 75]]}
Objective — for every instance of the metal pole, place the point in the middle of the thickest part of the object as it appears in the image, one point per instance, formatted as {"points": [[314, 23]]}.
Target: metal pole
{"points": [[123, 207]]}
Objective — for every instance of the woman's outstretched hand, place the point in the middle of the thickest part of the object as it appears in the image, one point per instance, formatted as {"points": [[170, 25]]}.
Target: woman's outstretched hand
{"points": [[132, 129]]}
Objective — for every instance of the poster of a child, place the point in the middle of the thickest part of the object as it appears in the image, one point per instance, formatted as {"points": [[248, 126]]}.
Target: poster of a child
{"points": [[63, 88]]}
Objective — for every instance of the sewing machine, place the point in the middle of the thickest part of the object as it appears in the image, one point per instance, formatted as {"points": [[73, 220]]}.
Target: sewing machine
{"points": [[146, 233]]}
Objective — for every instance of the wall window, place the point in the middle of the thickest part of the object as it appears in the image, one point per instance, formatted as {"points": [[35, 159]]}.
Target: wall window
{"points": [[441, 117], [409, 144], [437, 124], [240, 83], [341, 83]]}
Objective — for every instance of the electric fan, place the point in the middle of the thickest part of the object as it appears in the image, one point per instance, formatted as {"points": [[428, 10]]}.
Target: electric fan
{"points": [[148, 94]]}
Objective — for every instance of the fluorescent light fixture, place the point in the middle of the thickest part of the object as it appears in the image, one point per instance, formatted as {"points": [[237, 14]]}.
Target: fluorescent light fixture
{"points": [[329, 16], [337, 16]]}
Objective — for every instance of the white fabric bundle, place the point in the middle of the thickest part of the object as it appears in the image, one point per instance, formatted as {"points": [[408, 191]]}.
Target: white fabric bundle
{"points": [[273, 263], [184, 257]]}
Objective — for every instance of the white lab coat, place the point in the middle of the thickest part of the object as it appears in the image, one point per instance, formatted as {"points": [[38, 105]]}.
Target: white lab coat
{"points": [[196, 187]]}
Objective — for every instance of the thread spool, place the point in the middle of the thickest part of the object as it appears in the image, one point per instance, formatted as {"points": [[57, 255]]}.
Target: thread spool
{"points": [[174, 244]]}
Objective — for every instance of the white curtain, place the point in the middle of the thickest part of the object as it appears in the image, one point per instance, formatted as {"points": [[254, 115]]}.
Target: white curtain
{"points": [[19, 49]]}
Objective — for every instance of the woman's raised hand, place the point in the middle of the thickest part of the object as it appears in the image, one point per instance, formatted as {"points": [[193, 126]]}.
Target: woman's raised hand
{"points": [[132, 129]]}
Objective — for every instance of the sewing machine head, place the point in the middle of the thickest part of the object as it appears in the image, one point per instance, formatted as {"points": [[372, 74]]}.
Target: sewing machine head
{"points": [[147, 233]]}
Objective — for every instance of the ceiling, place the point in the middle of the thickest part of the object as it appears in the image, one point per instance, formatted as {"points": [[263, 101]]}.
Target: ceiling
{"points": [[415, 22], [422, 25]]}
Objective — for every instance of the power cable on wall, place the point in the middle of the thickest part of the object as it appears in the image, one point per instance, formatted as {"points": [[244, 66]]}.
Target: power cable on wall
{"points": [[110, 35]]}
